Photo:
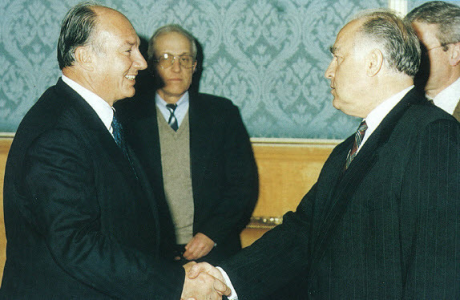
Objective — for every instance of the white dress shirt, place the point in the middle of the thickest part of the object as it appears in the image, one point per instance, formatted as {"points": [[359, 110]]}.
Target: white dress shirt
{"points": [[448, 98], [375, 117], [373, 120], [101, 107]]}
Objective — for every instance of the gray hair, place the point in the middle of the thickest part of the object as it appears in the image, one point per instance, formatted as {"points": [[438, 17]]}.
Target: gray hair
{"points": [[168, 29], [446, 15], [77, 29], [400, 45]]}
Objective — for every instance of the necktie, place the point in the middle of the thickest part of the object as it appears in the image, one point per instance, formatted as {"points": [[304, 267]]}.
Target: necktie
{"points": [[117, 132], [172, 117], [358, 139], [118, 136]]}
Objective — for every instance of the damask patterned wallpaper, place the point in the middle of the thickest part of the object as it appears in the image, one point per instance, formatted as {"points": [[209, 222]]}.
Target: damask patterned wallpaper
{"points": [[268, 56]]}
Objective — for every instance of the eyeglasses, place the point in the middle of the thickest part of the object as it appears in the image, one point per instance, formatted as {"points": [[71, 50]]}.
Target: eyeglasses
{"points": [[166, 60], [444, 47]]}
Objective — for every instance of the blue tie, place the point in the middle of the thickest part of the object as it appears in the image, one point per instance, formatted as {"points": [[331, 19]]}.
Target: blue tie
{"points": [[117, 132]]}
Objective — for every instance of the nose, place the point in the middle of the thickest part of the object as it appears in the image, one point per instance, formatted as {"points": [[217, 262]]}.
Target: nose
{"points": [[330, 70], [176, 67], [139, 61]]}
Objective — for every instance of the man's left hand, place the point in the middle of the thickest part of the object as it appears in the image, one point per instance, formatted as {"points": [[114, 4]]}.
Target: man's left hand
{"points": [[200, 245]]}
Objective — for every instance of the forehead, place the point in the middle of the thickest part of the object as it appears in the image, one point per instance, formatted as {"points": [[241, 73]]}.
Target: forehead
{"points": [[173, 42], [114, 27], [426, 33], [346, 37]]}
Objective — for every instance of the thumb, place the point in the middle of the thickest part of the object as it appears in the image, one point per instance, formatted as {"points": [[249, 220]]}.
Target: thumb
{"points": [[196, 270]]}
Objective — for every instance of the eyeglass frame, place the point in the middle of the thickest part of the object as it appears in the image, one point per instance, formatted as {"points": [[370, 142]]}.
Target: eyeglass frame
{"points": [[174, 57]]}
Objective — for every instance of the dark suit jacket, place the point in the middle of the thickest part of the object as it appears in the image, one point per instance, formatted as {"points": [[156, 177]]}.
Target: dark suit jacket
{"points": [[79, 224], [399, 234], [224, 172]]}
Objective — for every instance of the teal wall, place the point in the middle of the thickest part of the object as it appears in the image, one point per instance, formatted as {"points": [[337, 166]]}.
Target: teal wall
{"points": [[269, 57]]}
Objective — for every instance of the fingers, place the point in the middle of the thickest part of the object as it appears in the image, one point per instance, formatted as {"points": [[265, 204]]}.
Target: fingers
{"points": [[222, 288], [202, 287], [204, 267], [200, 245]]}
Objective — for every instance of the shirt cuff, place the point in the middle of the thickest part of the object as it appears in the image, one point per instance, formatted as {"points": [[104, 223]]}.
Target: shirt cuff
{"points": [[233, 295]]}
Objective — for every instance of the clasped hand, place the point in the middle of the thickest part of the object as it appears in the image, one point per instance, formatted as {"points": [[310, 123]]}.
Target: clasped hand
{"points": [[203, 282]]}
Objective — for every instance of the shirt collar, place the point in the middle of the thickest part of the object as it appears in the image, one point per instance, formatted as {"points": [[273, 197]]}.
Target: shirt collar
{"points": [[102, 108], [181, 109], [375, 117], [182, 101], [448, 98]]}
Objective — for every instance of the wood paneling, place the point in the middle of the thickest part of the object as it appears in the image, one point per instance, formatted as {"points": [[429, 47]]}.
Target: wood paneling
{"points": [[5, 144], [287, 170]]}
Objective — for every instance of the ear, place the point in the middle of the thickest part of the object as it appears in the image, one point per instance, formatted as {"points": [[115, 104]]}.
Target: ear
{"points": [[84, 57], [374, 62], [454, 59]]}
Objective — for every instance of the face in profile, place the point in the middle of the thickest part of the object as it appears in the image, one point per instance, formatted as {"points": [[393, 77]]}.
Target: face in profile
{"points": [[174, 65], [118, 61], [347, 72]]}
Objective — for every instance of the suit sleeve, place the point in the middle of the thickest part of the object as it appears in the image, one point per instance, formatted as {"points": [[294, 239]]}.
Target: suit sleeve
{"points": [[277, 258], [240, 186], [430, 215], [64, 209]]}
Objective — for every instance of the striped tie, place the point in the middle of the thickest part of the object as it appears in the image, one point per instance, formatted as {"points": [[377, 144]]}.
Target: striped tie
{"points": [[358, 139], [172, 117]]}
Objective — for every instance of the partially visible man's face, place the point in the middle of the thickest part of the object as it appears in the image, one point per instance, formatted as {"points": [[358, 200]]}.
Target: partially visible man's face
{"points": [[435, 63], [176, 79], [117, 64], [347, 73]]}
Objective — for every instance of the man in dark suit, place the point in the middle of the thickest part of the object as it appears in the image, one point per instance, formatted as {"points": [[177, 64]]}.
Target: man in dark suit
{"points": [[196, 152], [382, 221], [437, 24], [80, 217]]}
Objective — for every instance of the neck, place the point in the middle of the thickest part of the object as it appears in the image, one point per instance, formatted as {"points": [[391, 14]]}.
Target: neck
{"points": [[383, 88], [435, 90], [170, 98], [83, 79]]}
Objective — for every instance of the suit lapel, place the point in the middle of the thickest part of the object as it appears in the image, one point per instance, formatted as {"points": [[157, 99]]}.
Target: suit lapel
{"points": [[348, 183], [456, 113], [200, 139]]}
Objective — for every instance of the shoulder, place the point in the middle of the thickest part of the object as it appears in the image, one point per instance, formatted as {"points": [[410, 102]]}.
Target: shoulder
{"points": [[213, 103]]}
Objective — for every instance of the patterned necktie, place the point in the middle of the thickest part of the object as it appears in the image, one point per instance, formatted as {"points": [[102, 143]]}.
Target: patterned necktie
{"points": [[172, 117], [358, 139]]}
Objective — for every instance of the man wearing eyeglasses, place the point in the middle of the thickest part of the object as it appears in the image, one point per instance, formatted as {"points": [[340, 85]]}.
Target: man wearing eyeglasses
{"points": [[196, 152], [437, 25]]}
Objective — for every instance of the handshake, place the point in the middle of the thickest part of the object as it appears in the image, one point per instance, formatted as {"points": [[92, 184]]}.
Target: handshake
{"points": [[203, 282]]}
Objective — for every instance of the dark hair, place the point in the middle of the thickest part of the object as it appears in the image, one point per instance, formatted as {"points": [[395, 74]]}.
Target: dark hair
{"points": [[400, 45], [77, 29], [446, 15]]}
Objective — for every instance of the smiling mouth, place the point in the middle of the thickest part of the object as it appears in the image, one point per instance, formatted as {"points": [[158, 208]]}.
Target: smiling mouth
{"points": [[130, 77]]}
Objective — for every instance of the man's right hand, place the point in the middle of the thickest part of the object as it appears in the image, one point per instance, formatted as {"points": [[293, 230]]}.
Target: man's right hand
{"points": [[205, 282]]}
